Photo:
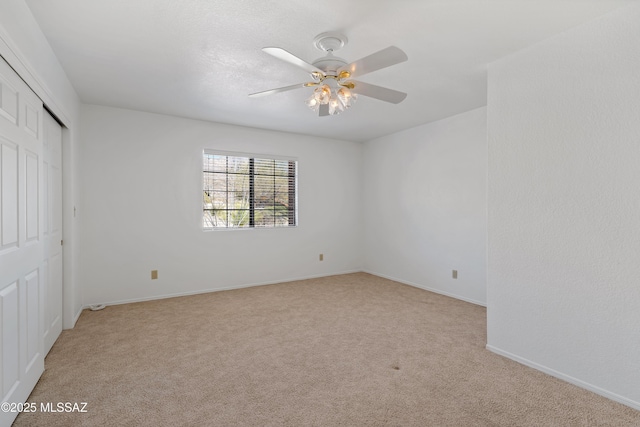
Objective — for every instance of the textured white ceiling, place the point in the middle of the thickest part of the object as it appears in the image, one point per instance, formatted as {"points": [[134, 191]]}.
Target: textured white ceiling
{"points": [[201, 58]]}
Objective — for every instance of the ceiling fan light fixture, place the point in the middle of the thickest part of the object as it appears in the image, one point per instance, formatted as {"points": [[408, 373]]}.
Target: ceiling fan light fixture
{"points": [[322, 94], [347, 97], [337, 100], [334, 92], [312, 103], [335, 106]]}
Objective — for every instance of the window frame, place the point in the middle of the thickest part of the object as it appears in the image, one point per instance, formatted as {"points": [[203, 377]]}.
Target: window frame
{"points": [[292, 214]]}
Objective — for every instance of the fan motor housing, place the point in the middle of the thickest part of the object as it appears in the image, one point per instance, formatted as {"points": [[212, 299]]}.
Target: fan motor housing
{"points": [[329, 64], [330, 42]]}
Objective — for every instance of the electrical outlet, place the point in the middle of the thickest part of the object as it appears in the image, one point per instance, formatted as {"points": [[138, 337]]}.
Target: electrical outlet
{"points": [[454, 274], [321, 257], [154, 274]]}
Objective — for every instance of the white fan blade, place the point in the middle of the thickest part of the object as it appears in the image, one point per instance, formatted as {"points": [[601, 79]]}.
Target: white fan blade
{"points": [[291, 59], [376, 61], [378, 92], [278, 90], [323, 110]]}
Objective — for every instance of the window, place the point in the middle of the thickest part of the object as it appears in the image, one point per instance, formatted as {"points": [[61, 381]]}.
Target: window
{"points": [[242, 191]]}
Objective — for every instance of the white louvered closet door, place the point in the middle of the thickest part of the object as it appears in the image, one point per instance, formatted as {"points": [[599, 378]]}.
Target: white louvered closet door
{"points": [[21, 239]]}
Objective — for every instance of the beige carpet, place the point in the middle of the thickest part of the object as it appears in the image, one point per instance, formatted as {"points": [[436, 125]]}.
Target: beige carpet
{"points": [[351, 350]]}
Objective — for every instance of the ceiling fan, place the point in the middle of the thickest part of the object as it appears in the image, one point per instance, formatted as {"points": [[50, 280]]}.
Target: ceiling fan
{"points": [[332, 77]]}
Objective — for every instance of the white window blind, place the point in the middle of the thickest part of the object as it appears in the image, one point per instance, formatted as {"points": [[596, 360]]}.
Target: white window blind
{"points": [[247, 191]]}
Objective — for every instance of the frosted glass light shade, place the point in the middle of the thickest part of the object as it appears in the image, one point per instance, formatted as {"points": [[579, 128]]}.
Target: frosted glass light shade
{"points": [[335, 106], [322, 94], [346, 97], [312, 102]]}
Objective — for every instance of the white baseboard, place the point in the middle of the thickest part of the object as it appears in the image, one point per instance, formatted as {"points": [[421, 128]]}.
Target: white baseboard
{"points": [[206, 291], [426, 288], [582, 384], [77, 316]]}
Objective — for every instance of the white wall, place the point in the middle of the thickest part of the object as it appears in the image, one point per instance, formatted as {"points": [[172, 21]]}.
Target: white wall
{"points": [[425, 206], [564, 206], [142, 200], [25, 48]]}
